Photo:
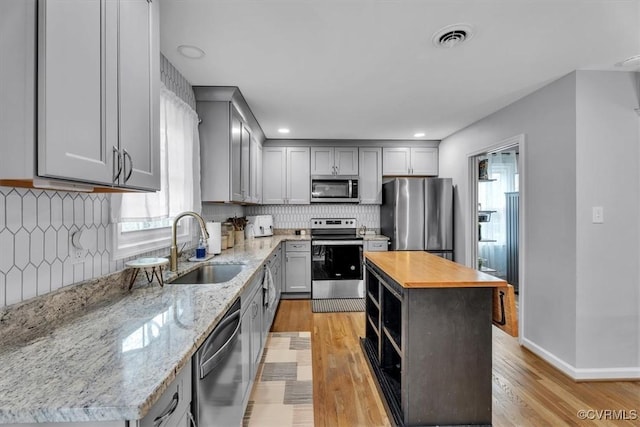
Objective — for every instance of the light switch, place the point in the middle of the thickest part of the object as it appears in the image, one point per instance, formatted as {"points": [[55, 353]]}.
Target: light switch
{"points": [[598, 215]]}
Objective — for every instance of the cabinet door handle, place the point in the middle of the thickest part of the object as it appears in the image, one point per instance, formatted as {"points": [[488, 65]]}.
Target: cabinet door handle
{"points": [[167, 412], [116, 153], [126, 155]]}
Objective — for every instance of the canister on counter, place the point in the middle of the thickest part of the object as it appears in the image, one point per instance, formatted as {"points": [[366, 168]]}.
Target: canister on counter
{"points": [[228, 230]]}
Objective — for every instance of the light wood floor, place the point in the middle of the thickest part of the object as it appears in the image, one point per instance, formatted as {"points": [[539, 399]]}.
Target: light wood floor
{"points": [[526, 390]]}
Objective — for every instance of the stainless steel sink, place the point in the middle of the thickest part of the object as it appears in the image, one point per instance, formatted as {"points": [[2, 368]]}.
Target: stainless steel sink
{"points": [[210, 273]]}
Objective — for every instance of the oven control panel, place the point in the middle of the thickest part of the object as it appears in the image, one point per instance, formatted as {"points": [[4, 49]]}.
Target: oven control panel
{"points": [[333, 223]]}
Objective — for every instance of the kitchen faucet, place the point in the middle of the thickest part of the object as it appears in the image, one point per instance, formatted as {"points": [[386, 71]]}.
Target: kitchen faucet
{"points": [[174, 239]]}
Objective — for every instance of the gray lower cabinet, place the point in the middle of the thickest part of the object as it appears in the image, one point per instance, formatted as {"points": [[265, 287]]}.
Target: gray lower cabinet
{"points": [[376, 245], [172, 409], [297, 267], [270, 303]]}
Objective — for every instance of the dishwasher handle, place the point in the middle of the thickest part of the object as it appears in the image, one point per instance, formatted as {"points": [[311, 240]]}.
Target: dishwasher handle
{"points": [[209, 365]]}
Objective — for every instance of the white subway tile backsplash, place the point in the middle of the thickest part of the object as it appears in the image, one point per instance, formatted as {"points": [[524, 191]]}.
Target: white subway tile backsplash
{"points": [[50, 245], [36, 247], [2, 290], [44, 279], [299, 216], [56, 212], [67, 211], [14, 212], [29, 282], [63, 244], [219, 212], [21, 249], [67, 272], [88, 212], [44, 211], [78, 211], [2, 211], [78, 272], [101, 239], [35, 228], [14, 286], [97, 211], [29, 218], [6, 249], [56, 274]]}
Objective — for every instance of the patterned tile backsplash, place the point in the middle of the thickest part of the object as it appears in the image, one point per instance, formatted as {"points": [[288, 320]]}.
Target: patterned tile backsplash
{"points": [[35, 233], [298, 216], [36, 228]]}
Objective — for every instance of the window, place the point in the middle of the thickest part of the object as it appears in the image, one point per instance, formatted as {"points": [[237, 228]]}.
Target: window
{"points": [[142, 221]]}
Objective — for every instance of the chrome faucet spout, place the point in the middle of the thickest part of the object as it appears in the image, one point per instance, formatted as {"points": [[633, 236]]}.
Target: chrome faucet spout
{"points": [[174, 236]]}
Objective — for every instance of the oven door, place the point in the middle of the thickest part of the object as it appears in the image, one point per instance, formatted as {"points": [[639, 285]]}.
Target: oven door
{"points": [[336, 269]]}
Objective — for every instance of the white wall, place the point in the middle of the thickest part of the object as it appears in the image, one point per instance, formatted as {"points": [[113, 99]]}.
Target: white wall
{"points": [[608, 150], [582, 284], [547, 119]]}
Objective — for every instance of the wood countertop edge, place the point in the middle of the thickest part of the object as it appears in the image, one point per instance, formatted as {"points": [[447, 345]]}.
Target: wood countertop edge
{"points": [[491, 282]]}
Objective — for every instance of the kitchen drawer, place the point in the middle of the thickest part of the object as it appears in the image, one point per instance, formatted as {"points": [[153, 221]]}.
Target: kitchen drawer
{"points": [[174, 403], [376, 245], [298, 246]]}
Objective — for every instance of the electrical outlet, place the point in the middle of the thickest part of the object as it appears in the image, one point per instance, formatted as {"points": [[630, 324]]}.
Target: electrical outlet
{"points": [[78, 255]]}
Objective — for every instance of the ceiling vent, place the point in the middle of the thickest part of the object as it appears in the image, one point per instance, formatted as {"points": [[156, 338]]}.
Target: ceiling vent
{"points": [[452, 35]]}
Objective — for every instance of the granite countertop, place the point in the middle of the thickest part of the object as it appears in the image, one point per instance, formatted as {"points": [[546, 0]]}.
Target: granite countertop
{"points": [[114, 359], [418, 269]]}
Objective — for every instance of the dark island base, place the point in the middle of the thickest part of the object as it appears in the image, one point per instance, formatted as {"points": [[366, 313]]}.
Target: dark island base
{"points": [[387, 388]]}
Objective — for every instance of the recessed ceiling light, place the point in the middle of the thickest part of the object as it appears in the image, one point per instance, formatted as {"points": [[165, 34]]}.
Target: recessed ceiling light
{"points": [[418, 135], [191, 52], [283, 130]]}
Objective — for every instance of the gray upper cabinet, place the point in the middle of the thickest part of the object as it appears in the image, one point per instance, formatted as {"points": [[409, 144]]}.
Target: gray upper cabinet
{"points": [[286, 178], [334, 160], [238, 134], [97, 102], [298, 177], [420, 161], [255, 185], [370, 179], [230, 146], [139, 94], [73, 134]]}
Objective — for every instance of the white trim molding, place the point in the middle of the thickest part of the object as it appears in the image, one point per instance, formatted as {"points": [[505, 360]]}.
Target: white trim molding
{"points": [[582, 374], [472, 197]]}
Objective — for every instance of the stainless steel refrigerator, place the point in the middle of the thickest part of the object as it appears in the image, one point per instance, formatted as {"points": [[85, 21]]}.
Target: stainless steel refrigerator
{"points": [[417, 215]]}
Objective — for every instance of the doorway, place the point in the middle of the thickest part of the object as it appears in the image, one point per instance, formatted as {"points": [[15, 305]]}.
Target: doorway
{"points": [[496, 202]]}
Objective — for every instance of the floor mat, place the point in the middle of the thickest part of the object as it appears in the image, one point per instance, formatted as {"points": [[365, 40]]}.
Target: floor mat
{"points": [[337, 305], [282, 394]]}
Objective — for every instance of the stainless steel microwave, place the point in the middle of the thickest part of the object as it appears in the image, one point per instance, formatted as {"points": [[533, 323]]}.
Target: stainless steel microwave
{"points": [[334, 189]]}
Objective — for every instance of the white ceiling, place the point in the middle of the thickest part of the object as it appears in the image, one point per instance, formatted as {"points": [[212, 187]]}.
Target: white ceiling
{"points": [[367, 69]]}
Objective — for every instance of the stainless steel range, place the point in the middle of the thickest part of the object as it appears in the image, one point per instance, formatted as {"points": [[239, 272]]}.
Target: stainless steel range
{"points": [[336, 259]]}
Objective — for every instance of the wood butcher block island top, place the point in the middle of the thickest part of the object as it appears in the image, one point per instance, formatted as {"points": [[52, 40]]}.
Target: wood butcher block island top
{"points": [[418, 269]]}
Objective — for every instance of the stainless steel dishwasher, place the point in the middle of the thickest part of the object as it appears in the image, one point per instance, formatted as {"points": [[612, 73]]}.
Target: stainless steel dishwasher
{"points": [[219, 374]]}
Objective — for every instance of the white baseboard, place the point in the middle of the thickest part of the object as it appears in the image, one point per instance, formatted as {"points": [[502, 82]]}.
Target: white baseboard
{"points": [[582, 374]]}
